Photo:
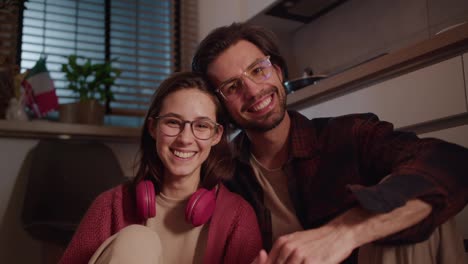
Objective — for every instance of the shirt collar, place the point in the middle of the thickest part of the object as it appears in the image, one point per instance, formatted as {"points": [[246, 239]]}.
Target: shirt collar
{"points": [[302, 140]]}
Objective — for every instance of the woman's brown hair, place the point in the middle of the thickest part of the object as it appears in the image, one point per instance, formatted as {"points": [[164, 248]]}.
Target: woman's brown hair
{"points": [[217, 166]]}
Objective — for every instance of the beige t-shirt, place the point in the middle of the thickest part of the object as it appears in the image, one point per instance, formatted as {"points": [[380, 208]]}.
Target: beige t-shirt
{"points": [[181, 242], [277, 200]]}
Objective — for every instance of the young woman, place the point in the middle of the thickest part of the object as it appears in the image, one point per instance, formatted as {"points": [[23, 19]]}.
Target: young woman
{"points": [[175, 210]]}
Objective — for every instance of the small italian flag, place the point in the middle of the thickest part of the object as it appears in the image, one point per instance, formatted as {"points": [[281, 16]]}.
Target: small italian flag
{"points": [[39, 89]]}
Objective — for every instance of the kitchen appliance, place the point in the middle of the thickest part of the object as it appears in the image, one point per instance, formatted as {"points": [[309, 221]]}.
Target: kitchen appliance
{"points": [[296, 84]]}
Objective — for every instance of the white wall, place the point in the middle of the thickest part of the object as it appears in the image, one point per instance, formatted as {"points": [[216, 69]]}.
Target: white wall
{"points": [[216, 13]]}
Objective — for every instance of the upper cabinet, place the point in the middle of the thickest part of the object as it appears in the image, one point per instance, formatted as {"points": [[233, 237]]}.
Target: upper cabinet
{"points": [[354, 31]]}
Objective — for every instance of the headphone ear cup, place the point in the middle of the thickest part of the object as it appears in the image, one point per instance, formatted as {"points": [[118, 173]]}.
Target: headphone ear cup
{"points": [[200, 206], [145, 200]]}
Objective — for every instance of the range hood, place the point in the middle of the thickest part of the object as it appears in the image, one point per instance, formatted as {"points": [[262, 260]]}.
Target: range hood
{"points": [[303, 11]]}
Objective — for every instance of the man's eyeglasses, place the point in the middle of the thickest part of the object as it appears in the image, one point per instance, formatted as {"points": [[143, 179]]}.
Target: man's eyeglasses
{"points": [[258, 72], [201, 128]]}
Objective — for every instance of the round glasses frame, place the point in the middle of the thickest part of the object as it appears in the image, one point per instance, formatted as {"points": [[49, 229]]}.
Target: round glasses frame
{"points": [[202, 129]]}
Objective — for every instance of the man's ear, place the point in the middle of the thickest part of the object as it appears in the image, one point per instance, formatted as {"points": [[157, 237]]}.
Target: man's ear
{"points": [[218, 136], [279, 72]]}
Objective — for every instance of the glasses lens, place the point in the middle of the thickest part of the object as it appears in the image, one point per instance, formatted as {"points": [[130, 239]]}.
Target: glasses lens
{"points": [[261, 71], [170, 125], [231, 89], [203, 129], [257, 72]]}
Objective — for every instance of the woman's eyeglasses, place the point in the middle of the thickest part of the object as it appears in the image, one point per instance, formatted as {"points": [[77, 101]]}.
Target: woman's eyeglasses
{"points": [[202, 128]]}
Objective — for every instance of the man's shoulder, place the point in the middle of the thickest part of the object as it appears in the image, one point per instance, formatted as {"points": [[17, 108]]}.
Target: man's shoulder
{"points": [[323, 121], [297, 115]]}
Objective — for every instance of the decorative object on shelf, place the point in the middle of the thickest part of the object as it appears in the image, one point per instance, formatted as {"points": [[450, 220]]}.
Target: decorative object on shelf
{"points": [[39, 90], [15, 111], [308, 78], [91, 82]]}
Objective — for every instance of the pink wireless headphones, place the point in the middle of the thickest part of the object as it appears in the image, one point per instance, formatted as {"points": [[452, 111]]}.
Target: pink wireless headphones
{"points": [[198, 211]]}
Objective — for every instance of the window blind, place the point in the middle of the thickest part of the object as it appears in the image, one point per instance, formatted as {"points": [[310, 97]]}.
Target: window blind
{"points": [[138, 34]]}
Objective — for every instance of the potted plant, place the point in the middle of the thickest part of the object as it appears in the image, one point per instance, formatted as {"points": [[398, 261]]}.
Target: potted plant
{"points": [[91, 82]]}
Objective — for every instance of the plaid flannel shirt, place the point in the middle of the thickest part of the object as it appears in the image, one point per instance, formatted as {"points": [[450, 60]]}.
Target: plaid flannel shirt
{"points": [[338, 163]]}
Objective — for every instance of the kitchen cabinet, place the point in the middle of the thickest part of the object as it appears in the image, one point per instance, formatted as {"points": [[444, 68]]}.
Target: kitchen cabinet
{"points": [[430, 93]]}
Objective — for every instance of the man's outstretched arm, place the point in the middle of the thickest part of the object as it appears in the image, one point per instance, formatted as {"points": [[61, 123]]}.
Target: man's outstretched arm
{"points": [[334, 242]]}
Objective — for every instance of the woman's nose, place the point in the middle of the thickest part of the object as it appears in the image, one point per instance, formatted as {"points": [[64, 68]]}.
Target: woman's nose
{"points": [[186, 134]]}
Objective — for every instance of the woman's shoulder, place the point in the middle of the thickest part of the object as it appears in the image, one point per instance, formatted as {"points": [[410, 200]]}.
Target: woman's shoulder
{"points": [[114, 194]]}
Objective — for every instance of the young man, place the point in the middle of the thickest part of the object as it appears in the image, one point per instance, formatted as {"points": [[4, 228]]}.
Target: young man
{"points": [[324, 187]]}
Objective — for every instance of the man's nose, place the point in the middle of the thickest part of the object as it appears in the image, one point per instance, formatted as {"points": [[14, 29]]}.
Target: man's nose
{"points": [[250, 87]]}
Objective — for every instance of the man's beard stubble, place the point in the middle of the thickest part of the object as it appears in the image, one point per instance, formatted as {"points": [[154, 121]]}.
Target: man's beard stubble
{"points": [[263, 125]]}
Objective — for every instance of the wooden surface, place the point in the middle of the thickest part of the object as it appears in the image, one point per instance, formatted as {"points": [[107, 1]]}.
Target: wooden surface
{"points": [[49, 129]]}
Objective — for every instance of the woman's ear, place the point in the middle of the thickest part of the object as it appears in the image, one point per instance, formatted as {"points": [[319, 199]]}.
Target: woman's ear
{"points": [[151, 127], [218, 135]]}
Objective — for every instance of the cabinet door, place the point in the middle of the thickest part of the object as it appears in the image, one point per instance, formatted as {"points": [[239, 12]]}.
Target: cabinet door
{"points": [[426, 94]]}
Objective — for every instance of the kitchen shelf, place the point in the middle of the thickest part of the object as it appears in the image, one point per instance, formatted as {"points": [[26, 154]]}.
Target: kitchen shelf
{"points": [[448, 44], [55, 130]]}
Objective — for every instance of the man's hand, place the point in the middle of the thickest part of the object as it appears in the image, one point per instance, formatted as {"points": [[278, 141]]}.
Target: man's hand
{"points": [[334, 242], [328, 244], [261, 258]]}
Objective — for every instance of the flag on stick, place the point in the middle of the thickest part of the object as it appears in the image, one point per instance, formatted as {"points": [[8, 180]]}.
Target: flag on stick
{"points": [[39, 88]]}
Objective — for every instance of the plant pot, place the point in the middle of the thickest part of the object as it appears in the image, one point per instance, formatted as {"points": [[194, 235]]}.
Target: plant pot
{"points": [[87, 112]]}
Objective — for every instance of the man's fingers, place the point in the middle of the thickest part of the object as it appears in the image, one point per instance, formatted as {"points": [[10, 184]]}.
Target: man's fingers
{"points": [[261, 258]]}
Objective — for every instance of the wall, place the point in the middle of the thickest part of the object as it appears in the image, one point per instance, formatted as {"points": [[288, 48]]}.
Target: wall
{"points": [[216, 13]]}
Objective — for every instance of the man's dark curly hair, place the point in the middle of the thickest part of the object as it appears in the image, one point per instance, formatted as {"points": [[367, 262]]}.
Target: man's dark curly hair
{"points": [[224, 37]]}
